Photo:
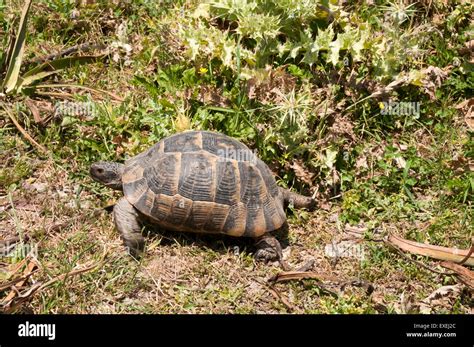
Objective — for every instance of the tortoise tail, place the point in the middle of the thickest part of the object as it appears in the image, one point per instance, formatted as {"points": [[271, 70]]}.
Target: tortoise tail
{"points": [[298, 200]]}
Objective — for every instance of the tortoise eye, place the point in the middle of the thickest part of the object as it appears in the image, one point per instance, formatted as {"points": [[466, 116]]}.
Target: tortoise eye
{"points": [[101, 171]]}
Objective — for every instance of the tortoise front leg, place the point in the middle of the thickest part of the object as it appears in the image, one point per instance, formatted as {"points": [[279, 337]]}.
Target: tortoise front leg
{"points": [[269, 249], [127, 223]]}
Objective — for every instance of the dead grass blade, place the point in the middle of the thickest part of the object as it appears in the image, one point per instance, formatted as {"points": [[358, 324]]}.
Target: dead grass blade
{"points": [[277, 295], [34, 111], [10, 43], [16, 58], [286, 276], [24, 132], [53, 67], [99, 92], [436, 252], [27, 272], [81, 48], [465, 275], [13, 301]]}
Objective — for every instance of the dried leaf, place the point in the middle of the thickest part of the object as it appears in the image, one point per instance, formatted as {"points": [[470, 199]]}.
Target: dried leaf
{"points": [[34, 110], [299, 275], [468, 49], [467, 109], [436, 252], [465, 275], [30, 267], [302, 172], [210, 95], [267, 85], [440, 297], [400, 162], [361, 162]]}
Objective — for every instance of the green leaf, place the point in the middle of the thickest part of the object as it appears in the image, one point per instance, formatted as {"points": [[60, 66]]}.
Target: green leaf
{"points": [[330, 158], [202, 11], [335, 47], [228, 51], [7, 53], [67, 120], [16, 58], [62, 63], [25, 82]]}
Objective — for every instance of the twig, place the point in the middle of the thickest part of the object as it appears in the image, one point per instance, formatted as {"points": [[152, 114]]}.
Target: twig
{"points": [[58, 226], [286, 276], [468, 255], [277, 295], [297, 275], [23, 131], [419, 263], [436, 252], [83, 47], [78, 86], [9, 241], [9, 307], [464, 274], [385, 90]]}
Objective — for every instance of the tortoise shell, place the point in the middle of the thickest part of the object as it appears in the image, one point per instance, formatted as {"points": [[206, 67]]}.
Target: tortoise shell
{"points": [[201, 181]]}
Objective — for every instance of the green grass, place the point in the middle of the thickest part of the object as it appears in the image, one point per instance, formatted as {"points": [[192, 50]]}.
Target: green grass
{"points": [[288, 94]]}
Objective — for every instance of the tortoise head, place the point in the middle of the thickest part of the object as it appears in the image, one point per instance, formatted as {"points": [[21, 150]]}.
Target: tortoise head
{"points": [[108, 173]]}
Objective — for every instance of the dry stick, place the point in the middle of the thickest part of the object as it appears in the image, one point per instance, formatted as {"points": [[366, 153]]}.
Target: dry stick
{"points": [[58, 226], [24, 132], [432, 251], [280, 297], [464, 274], [30, 268], [78, 86], [297, 275], [11, 283], [9, 241], [84, 47], [39, 286], [468, 255], [419, 263]]}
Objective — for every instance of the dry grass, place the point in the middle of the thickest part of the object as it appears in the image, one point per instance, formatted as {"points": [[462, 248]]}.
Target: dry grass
{"points": [[49, 201], [183, 273]]}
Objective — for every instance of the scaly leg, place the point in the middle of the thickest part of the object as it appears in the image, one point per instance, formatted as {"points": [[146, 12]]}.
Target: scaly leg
{"points": [[127, 223], [269, 249]]}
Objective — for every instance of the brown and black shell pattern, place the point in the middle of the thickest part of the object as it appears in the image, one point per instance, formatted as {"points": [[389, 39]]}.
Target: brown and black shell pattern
{"points": [[199, 181]]}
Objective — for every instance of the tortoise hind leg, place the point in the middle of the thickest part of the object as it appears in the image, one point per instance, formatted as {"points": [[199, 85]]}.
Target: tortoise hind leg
{"points": [[269, 249], [127, 223], [297, 200]]}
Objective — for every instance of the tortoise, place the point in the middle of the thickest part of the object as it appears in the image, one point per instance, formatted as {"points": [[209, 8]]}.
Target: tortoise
{"points": [[199, 181]]}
